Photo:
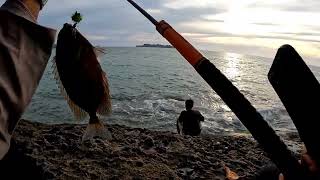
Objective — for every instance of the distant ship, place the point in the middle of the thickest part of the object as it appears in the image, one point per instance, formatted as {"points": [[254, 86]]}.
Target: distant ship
{"points": [[155, 46]]}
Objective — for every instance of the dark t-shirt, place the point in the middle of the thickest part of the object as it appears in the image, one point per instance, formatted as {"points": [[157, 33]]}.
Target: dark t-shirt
{"points": [[191, 122]]}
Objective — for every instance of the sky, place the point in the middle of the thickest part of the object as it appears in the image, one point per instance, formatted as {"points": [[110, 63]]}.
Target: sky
{"points": [[254, 27]]}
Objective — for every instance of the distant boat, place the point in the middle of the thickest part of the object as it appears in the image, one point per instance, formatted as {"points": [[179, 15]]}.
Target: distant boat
{"points": [[155, 46]]}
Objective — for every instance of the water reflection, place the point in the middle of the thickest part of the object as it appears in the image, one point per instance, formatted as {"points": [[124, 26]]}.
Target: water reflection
{"points": [[232, 68]]}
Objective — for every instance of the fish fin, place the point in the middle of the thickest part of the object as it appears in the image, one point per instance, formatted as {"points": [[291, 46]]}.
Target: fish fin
{"points": [[100, 51], [96, 130], [77, 111], [105, 108]]}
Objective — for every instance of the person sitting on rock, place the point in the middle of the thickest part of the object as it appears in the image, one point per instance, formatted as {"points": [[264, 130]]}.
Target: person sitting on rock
{"points": [[190, 120]]}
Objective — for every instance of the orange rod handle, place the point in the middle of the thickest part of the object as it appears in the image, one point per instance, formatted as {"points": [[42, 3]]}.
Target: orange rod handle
{"points": [[191, 54]]}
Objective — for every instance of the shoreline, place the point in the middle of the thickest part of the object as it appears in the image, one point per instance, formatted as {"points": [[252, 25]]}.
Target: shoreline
{"points": [[56, 151]]}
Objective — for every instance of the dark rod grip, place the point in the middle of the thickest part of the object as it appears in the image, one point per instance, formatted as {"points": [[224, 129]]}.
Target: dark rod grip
{"points": [[299, 91]]}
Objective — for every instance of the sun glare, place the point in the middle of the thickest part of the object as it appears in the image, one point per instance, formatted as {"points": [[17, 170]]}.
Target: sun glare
{"points": [[232, 67], [235, 22]]}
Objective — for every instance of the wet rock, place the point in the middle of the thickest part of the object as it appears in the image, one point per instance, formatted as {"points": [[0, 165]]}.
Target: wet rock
{"points": [[139, 163], [161, 149], [150, 151], [125, 148], [148, 143], [194, 176], [133, 133], [137, 178], [185, 172]]}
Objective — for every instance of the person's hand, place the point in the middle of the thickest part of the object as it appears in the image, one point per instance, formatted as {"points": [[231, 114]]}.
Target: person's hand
{"points": [[310, 164]]}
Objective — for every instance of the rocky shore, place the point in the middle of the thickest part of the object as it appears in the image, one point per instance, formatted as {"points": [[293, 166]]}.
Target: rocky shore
{"points": [[56, 152]]}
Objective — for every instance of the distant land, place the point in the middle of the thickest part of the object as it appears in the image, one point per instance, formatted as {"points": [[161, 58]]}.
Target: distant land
{"points": [[155, 46]]}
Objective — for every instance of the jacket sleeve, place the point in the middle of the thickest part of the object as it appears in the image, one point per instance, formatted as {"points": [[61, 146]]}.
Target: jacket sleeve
{"points": [[25, 48], [180, 123], [201, 117]]}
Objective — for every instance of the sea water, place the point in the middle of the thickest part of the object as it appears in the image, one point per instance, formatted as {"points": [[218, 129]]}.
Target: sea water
{"points": [[149, 87]]}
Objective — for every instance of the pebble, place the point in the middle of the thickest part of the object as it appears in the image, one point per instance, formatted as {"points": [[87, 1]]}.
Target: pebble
{"points": [[139, 163], [148, 143]]}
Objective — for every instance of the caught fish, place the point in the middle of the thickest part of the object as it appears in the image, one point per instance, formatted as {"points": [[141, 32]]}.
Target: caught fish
{"points": [[81, 79]]}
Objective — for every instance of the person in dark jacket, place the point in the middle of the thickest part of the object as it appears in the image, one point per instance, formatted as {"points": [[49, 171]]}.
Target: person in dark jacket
{"points": [[190, 120]]}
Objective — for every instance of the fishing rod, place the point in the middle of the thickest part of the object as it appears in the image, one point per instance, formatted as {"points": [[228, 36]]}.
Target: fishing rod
{"points": [[247, 114]]}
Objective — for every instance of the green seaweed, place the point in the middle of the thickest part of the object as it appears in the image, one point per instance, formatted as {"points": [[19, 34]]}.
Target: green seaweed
{"points": [[76, 18]]}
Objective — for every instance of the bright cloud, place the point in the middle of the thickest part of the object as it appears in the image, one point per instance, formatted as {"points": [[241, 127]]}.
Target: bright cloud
{"points": [[261, 24], [181, 4], [154, 11]]}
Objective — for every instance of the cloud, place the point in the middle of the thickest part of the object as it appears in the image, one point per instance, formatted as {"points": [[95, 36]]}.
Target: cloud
{"points": [[290, 5], [154, 11], [248, 26], [310, 49], [96, 37], [182, 4]]}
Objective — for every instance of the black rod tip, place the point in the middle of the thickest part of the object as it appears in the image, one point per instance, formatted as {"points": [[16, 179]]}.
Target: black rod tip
{"points": [[147, 15]]}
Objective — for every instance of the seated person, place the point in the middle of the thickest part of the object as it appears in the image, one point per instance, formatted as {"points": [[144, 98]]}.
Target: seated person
{"points": [[190, 120]]}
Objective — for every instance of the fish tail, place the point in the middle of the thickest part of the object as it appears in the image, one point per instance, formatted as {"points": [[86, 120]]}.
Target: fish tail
{"points": [[96, 128], [77, 111]]}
